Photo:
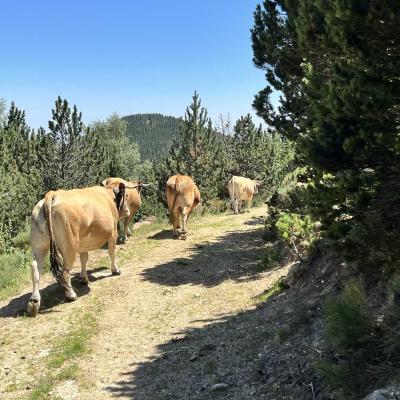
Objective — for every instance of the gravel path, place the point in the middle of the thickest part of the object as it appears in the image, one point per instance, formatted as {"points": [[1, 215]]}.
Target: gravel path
{"points": [[174, 325]]}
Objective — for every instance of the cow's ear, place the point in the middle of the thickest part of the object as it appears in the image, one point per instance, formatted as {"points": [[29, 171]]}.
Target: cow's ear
{"points": [[105, 182]]}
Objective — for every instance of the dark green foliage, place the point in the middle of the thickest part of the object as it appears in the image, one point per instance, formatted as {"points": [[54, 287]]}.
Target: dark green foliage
{"points": [[272, 256], [367, 351], [153, 133], [70, 153], [152, 196], [337, 67], [20, 182], [120, 156]]}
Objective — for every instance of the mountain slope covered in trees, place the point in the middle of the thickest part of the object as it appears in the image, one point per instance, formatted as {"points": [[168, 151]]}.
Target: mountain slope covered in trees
{"points": [[152, 132]]}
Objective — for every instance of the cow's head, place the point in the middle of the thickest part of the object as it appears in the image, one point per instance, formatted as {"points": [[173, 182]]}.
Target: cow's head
{"points": [[121, 200], [256, 185]]}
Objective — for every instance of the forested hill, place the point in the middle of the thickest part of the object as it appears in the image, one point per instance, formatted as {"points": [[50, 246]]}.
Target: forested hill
{"points": [[153, 133]]}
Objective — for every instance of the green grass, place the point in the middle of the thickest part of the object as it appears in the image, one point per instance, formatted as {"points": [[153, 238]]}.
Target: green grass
{"points": [[275, 289], [14, 272], [60, 362], [41, 390], [74, 344], [70, 372], [271, 256]]}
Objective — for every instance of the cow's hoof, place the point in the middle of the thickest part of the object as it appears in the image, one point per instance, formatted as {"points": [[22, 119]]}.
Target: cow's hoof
{"points": [[116, 272], [121, 240], [84, 282], [71, 297], [183, 236], [33, 307]]}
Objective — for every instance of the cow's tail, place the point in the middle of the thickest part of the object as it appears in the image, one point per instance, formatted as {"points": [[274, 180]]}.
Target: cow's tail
{"points": [[231, 183], [177, 189], [56, 260]]}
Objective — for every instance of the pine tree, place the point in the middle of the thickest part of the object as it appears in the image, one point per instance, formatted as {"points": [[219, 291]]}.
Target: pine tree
{"points": [[20, 183], [69, 152], [337, 65], [196, 150]]}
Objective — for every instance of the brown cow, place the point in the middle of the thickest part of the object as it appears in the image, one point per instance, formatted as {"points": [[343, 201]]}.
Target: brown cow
{"points": [[133, 200], [242, 189], [72, 222], [182, 197]]}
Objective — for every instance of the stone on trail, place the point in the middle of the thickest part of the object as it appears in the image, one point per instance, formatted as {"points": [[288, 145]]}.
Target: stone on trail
{"points": [[68, 390], [218, 386]]}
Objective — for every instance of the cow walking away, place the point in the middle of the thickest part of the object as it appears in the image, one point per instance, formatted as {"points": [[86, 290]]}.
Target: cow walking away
{"points": [[242, 190], [72, 222], [134, 200], [182, 197]]}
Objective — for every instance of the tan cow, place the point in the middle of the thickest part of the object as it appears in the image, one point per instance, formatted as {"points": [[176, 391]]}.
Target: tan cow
{"points": [[242, 189], [133, 200], [182, 197], [72, 222]]}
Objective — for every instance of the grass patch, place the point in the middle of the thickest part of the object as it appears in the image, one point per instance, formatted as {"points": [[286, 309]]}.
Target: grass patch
{"points": [[22, 239], [60, 365], [41, 390], [367, 350], [277, 288], [69, 373], [14, 272], [271, 256], [74, 344]]}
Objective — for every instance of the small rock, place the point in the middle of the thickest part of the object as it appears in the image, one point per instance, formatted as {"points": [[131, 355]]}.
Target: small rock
{"points": [[388, 393], [218, 386], [194, 357], [294, 274], [68, 390], [44, 353]]}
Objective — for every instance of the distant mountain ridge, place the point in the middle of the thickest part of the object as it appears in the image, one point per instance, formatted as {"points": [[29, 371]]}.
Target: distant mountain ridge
{"points": [[153, 132]]}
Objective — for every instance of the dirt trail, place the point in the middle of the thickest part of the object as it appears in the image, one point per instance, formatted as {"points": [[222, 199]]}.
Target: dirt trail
{"points": [[170, 327]]}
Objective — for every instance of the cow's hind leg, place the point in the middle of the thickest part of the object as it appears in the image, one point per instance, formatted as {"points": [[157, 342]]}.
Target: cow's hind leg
{"points": [[69, 260], [185, 216], [127, 231], [36, 269], [84, 259], [111, 252], [175, 221], [249, 205]]}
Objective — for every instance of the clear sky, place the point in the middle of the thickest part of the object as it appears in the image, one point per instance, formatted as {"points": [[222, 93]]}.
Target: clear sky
{"points": [[128, 56]]}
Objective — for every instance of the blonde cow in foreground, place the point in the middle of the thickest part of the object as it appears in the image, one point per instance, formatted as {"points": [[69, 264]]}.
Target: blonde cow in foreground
{"points": [[182, 197], [134, 200], [72, 222], [242, 189]]}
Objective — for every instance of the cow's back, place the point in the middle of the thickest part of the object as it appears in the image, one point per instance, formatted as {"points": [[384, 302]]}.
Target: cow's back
{"points": [[86, 216], [181, 191]]}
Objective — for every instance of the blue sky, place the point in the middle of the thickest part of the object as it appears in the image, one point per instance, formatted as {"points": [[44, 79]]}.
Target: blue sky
{"points": [[128, 56]]}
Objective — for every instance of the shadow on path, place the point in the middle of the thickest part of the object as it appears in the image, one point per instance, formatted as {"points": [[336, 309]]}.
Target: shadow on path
{"points": [[51, 295], [235, 350], [233, 255]]}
